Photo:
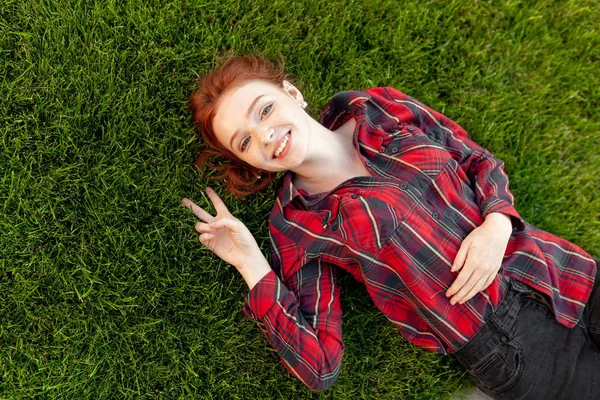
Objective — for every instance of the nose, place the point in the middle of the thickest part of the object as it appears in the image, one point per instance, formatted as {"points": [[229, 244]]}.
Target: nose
{"points": [[262, 133]]}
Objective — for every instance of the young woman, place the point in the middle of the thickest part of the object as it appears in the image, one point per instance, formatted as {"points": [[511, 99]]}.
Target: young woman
{"points": [[399, 196]]}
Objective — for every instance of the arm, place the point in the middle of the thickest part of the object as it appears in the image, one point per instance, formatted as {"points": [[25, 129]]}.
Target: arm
{"points": [[485, 172], [303, 324], [480, 255]]}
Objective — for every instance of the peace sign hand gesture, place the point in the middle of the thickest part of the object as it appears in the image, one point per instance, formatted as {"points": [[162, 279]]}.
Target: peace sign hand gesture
{"points": [[229, 238]]}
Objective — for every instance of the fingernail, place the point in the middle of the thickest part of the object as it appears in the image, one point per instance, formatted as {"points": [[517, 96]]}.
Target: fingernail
{"points": [[452, 302]]}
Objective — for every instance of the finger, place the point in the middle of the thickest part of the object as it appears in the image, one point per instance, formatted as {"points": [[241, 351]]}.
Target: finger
{"points": [[201, 227], [229, 223], [460, 281], [205, 239], [197, 210], [489, 281], [216, 200], [461, 257], [465, 288], [477, 287]]}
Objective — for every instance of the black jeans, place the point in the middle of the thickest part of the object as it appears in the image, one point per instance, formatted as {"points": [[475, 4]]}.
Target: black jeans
{"points": [[524, 353], [591, 314]]}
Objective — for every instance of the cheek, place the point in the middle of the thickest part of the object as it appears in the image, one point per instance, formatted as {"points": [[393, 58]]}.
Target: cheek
{"points": [[255, 158]]}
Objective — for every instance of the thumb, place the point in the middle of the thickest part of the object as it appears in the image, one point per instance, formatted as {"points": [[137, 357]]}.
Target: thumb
{"points": [[460, 258]]}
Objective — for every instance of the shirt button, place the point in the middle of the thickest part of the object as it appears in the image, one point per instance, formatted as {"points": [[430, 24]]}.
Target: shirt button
{"points": [[369, 164], [536, 280], [403, 186], [435, 215], [394, 150], [354, 196], [504, 339], [411, 128]]}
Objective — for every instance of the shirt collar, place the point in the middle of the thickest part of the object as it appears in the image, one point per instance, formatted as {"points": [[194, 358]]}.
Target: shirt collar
{"points": [[340, 108]]}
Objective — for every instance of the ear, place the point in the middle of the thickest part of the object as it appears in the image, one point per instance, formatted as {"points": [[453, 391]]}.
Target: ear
{"points": [[293, 92]]}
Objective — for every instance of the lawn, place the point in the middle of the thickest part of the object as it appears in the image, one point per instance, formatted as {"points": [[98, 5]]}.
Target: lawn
{"points": [[105, 291]]}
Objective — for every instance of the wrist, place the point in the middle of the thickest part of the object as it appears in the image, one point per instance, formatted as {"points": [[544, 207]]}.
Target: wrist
{"points": [[500, 222], [254, 270]]}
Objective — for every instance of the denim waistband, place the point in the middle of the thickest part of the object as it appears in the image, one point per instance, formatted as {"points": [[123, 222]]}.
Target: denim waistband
{"points": [[498, 327]]}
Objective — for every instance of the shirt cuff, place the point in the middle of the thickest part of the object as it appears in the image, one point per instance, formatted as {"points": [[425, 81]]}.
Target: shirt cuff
{"points": [[498, 204], [263, 296]]}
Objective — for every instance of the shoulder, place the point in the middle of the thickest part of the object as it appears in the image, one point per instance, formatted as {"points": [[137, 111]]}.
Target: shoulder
{"points": [[354, 103], [386, 93]]}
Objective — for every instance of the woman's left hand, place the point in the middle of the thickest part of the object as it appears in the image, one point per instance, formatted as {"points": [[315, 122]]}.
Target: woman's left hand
{"points": [[480, 257]]}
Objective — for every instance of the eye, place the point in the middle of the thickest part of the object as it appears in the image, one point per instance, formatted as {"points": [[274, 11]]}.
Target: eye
{"points": [[245, 143], [266, 110]]}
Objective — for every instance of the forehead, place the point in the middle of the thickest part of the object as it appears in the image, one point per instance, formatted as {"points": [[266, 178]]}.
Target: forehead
{"points": [[233, 105]]}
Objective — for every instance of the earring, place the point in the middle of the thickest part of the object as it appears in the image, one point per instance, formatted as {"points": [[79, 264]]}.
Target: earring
{"points": [[258, 177], [304, 104]]}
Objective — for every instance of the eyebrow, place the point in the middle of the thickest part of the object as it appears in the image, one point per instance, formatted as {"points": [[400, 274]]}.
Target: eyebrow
{"points": [[247, 115]]}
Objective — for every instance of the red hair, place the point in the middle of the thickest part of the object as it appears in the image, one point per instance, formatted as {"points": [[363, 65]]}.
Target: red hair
{"points": [[241, 178]]}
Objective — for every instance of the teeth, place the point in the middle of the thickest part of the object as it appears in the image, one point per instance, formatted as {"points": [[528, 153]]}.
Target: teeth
{"points": [[282, 145]]}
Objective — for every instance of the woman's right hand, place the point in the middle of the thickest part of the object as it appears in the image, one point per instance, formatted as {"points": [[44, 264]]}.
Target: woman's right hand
{"points": [[225, 235]]}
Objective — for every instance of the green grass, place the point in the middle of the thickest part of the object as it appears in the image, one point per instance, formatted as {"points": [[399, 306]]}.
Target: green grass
{"points": [[105, 291]]}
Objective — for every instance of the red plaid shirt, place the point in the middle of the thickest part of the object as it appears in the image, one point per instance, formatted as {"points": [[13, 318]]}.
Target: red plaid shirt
{"points": [[398, 232]]}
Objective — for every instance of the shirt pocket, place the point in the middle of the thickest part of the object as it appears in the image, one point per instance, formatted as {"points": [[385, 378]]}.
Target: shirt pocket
{"points": [[365, 222], [414, 148], [397, 142]]}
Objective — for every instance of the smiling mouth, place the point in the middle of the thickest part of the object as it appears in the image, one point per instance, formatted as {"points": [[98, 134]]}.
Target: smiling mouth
{"points": [[282, 146]]}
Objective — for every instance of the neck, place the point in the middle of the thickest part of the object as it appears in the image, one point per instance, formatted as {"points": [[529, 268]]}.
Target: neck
{"points": [[332, 159]]}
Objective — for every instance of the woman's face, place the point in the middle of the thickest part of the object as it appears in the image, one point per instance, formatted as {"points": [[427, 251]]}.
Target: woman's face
{"points": [[264, 125]]}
